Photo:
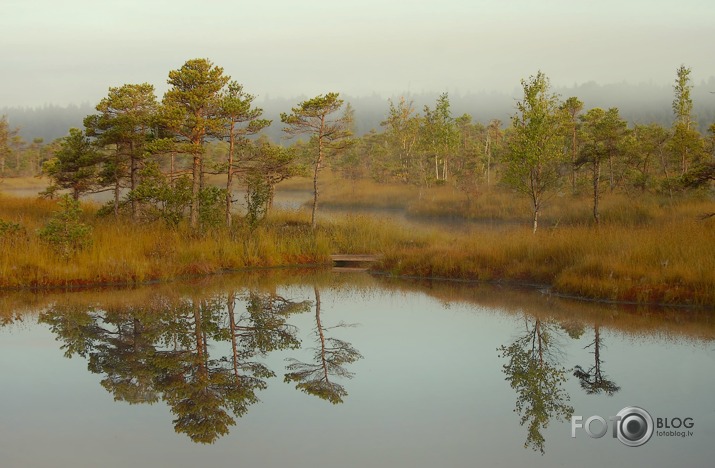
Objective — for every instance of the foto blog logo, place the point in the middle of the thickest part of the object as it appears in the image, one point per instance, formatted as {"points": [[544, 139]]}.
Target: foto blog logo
{"points": [[633, 426]]}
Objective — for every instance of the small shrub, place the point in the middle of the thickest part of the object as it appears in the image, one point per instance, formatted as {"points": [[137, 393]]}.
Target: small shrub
{"points": [[160, 199], [11, 234], [65, 233], [258, 193], [212, 214]]}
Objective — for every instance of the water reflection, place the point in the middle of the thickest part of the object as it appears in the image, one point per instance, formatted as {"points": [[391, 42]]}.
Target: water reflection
{"points": [[209, 350], [593, 380], [535, 373], [329, 359], [170, 350]]}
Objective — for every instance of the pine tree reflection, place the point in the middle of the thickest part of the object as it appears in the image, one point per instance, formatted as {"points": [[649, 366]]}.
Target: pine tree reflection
{"points": [[77, 327], [330, 357], [593, 380], [125, 356], [197, 391], [117, 343], [533, 371], [164, 351]]}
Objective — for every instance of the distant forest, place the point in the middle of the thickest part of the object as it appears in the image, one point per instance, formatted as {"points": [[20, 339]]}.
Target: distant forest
{"points": [[642, 104]]}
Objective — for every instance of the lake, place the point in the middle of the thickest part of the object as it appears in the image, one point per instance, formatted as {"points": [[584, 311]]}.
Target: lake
{"points": [[316, 368]]}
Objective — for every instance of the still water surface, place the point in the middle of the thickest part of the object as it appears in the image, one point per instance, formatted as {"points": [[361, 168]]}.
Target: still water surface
{"points": [[312, 370]]}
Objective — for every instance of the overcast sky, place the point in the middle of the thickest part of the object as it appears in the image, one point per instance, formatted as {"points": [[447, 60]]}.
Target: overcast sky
{"points": [[71, 51]]}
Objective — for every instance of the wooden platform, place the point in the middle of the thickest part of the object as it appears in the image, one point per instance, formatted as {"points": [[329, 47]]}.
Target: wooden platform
{"points": [[357, 258], [353, 262]]}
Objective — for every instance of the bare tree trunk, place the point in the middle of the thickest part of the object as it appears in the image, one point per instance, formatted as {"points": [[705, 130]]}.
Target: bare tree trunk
{"points": [[116, 197], [610, 170], [573, 161], [315, 180], [198, 334], [229, 175], [664, 165], [171, 169], [231, 306], [436, 167], [536, 194], [196, 186], [272, 196], [133, 178], [537, 331], [596, 180], [488, 151], [201, 175], [321, 334], [597, 353], [644, 173]]}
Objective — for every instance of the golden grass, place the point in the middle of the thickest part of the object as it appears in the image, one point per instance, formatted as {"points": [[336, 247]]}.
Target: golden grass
{"points": [[23, 183], [645, 251], [366, 194], [671, 262], [123, 252]]}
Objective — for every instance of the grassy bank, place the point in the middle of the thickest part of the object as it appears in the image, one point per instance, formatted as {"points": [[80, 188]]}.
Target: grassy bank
{"points": [[669, 263], [123, 252], [647, 248], [647, 253]]}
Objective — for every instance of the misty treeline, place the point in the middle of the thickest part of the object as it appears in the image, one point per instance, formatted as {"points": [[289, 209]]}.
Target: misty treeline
{"points": [[638, 103], [156, 156]]}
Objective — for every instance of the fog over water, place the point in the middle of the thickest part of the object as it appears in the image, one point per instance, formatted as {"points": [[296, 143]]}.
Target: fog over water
{"points": [[70, 52]]}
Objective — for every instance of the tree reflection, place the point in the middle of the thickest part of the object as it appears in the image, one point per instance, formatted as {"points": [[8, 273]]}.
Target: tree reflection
{"points": [[533, 371], [77, 327], [123, 351], [166, 351], [330, 357], [198, 392], [593, 380]]}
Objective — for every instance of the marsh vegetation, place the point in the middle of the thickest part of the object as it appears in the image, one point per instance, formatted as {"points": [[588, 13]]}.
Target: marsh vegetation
{"points": [[575, 200]]}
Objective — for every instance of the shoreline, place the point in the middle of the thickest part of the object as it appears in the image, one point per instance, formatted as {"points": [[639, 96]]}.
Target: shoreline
{"points": [[664, 262], [544, 288]]}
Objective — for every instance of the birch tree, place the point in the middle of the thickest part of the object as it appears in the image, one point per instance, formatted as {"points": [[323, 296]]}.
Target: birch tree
{"points": [[440, 135], [536, 151], [402, 129], [572, 106], [686, 143]]}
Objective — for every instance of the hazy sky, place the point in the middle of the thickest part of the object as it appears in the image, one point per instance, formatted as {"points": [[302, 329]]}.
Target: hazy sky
{"points": [[71, 51]]}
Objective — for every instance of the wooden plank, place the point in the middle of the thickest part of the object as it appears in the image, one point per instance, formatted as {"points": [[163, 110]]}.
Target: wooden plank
{"points": [[355, 258]]}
